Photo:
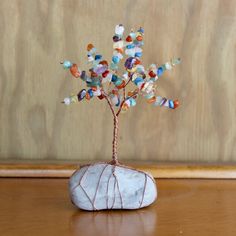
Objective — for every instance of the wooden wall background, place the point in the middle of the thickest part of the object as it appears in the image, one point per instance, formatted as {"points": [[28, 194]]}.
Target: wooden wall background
{"points": [[36, 35]]}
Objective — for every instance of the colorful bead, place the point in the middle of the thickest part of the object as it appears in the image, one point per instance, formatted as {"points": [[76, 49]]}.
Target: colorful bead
{"points": [[118, 82], [151, 100], [139, 38], [102, 72], [171, 104], [93, 74], [118, 44], [129, 62], [149, 95], [115, 59], [74, 71], [158, 101], [160, 71], [132, 35], [90, 92], [100, 69], [176, 104], [141, 30], [119, 29], [66, 101], [81, 94], [125, 107], [83, 75], [138, 54], [90, 58], [163, 101], [168, 66], [152, 74], [138, 80], [114, 78], [115, 100], [132, 102], [87, 96], [101, 96], [90, 46], [97, 93], [129, 46], [116, 38], [130, 52], [122, 85], [67, 64], [120, 50], [105, 73], [129, 39], [98, 57], [113, 66]]}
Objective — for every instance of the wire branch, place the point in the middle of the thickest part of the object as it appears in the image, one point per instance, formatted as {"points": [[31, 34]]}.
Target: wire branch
{"points": [[124, 96]]}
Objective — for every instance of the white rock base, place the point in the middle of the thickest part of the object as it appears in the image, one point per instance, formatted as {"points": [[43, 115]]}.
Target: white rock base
{"points": [[104, 186]]}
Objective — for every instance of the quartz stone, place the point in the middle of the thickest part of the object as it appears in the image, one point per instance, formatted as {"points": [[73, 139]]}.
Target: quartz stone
{"points": [[103, 186]]}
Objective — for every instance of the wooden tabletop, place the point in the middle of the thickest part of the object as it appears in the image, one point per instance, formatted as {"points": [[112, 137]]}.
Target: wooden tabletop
{"points": [[184, 207]]}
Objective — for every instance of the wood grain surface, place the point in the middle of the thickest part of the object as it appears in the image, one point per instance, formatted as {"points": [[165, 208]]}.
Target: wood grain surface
{"points": [[160, 170], [37, 34], [184, 207]]}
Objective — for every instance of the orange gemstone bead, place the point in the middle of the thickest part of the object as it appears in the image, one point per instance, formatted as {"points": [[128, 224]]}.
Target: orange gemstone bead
{"points": [[93, 74], [139, 38], [115, 92], [176, 103], [120, 50], [87, 96], [89, 47], [74, 71], [137, 62], [125, 107], [129, 39], [151, 100], [103, 63], [94, 88], [122, 85], [130, 93]]}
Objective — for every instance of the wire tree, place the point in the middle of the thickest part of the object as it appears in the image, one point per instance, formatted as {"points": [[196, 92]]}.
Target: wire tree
{"points": [[104, 82]]}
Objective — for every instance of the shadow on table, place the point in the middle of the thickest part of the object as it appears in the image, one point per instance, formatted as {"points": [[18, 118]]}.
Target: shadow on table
{"points": [[116, 222]]}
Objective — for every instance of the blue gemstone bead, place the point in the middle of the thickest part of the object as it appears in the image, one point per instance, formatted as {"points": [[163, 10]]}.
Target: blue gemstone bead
{"points": [[118, 103], [114, 78], [141, 30], [160, 71], [118, 82], [171, 104], [90, 92], [93, 82], [129, 62], [115, 59], [67, 64], [138, 80], [129, 46], [113, 66], [138, 54], [132, 102], [98, 57], [132, 35]]}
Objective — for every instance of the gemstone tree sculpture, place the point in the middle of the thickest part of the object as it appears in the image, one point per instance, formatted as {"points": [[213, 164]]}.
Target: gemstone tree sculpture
{"points": [[107, 185]]}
